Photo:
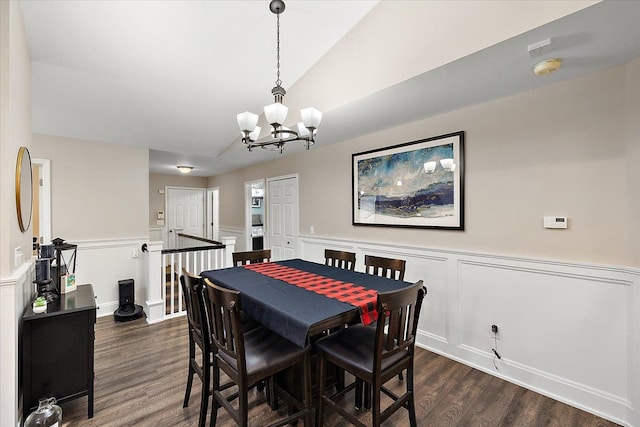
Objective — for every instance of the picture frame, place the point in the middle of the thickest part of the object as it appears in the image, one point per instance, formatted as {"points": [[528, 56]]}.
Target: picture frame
{"points": [[418, 184], [68, 283], [256, 202]]}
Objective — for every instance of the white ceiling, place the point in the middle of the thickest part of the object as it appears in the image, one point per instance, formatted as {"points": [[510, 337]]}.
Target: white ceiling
{"points": [[172, 75]]}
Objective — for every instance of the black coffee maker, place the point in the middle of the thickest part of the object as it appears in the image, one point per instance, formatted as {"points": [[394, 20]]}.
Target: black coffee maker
{"points": [[46, 287]]}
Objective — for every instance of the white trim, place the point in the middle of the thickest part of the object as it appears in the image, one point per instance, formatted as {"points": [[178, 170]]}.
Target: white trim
{"points": [[105, 309], [17, 274], [213, 213], [549, 381], [109, 243], [44, 201], [416, 250], [236, 232], [248, 186], [447, 323], [15, 293]]}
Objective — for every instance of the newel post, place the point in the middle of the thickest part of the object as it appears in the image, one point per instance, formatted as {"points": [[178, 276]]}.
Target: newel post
{"points": [[230, 243], [155, 281]]}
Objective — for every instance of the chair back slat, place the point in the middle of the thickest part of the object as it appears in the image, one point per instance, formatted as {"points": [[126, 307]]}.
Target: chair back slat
{"points": [[227, 328], [251, 257], [402, 309], [340, 259], [192, 286], [385, 267]]}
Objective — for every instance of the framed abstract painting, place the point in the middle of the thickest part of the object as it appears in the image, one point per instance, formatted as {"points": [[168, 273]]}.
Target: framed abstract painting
{"points": [[415, 184]]}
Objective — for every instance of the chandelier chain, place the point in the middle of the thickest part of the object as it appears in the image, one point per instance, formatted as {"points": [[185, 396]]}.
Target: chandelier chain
{"points": [[278, 81]]}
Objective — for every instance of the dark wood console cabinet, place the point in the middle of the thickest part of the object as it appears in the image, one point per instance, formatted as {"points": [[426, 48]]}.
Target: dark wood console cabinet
{"points": [[57, 350]]}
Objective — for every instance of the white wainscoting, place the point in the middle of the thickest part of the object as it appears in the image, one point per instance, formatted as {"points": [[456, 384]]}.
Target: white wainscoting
{"points": [[103, 262], [238, 233], [15, 293], [566, 330]]}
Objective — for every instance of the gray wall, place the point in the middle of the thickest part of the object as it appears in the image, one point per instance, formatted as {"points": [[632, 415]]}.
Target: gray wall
{"points": [[160, 181], [558, 150], [99, 190]]}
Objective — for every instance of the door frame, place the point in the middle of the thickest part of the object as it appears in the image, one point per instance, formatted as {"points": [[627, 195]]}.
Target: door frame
{"points": [[297, 213], [247, 212], [212, 205], [167, 210], [44, 195]]}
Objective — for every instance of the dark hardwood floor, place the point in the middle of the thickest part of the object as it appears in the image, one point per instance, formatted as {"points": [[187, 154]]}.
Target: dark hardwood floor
{"points": [[141, 375]]}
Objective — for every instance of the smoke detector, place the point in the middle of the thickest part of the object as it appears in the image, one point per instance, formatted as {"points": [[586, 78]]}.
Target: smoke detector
{"points": [[547, 66]]}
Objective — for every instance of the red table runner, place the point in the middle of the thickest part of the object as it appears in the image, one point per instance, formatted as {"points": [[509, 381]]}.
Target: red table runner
{"points": [[362, 298]]}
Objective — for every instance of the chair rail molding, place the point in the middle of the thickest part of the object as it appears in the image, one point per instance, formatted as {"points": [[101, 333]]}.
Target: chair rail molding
{"points": [[551, 314], [102, 262], [16, 292]]}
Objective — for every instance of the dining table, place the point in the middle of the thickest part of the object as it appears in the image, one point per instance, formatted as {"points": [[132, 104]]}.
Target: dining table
{"points": [[300, 299]]}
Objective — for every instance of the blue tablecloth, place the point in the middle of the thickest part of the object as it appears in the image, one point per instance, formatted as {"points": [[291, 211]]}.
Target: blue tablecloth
{"points": [[287, 309]]}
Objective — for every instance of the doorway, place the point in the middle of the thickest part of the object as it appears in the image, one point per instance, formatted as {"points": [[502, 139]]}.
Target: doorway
{"points": [[213, 213], [255, 215], [283, 215], [41, 215]]}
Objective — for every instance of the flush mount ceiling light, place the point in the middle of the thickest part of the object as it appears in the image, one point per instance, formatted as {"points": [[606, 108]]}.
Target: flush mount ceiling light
{"points": [[276, 113], [185, 169], [547, 66]]}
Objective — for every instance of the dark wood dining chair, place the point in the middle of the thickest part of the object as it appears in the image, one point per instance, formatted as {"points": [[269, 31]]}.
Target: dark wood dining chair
{"points": [[375, 356], [385, 267], [250, 357], [251, 257], [340, 259], [199, 335]]}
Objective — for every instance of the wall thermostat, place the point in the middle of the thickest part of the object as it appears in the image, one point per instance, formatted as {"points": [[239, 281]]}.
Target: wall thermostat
{"points": [[555, 222]]}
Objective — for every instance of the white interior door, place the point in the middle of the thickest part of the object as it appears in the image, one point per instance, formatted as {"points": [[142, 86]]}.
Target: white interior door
{"points": [[283, 217], [185, 213]]}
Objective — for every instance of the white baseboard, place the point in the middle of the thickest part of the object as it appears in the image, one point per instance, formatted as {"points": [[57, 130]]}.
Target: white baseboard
{"points": [[560, 322], [103, 262], [106, 308]]}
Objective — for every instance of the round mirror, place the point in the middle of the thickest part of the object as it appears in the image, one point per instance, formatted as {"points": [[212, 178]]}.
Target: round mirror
{"points": [[24, 189]]}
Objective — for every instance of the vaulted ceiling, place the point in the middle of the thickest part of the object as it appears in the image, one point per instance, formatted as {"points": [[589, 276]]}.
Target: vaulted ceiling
{"points": [[172, 75]]}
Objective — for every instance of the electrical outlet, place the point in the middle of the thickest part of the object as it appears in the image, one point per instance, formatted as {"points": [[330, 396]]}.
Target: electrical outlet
{"points": [[494, 329]]}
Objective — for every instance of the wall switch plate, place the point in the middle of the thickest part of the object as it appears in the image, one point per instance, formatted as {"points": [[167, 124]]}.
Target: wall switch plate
{"points": [[555, 222], [135, 253], [312, 229], [17, 260]]}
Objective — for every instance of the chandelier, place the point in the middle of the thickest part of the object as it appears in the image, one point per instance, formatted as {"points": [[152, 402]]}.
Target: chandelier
{"points": [[276, 113]]}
